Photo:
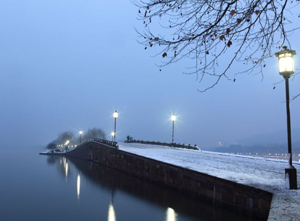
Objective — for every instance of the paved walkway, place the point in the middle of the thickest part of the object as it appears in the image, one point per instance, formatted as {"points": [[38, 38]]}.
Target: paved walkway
{"points": [[258, 172]]}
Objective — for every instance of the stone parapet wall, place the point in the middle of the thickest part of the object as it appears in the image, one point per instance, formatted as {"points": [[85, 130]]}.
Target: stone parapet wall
{"points": [[237, 197]]}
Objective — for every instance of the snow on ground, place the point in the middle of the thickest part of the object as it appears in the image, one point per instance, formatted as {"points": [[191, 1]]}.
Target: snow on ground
{"points": [[262, 173]]}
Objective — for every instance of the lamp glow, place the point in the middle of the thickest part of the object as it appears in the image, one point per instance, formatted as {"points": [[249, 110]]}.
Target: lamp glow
{"points": [[116, 114], [112, 134], [286, 62], [80, 133], [173, 119]]}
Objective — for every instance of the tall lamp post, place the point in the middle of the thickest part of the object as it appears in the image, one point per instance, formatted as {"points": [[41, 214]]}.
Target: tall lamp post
{"points": [[115, 116], [286, 69], [80, 134], [173, 119]]}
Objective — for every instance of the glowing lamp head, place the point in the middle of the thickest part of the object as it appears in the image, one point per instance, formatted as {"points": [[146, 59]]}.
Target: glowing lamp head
{"points": [[112, 134], [286, 62], [116, 114], [80, 132], [173, 117]]}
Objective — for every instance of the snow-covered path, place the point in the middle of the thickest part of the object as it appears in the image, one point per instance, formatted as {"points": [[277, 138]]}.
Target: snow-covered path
{"points": [[263, 173]]}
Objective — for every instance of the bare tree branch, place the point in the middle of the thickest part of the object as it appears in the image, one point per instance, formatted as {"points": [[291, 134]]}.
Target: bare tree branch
{"points": [[206, 31]]}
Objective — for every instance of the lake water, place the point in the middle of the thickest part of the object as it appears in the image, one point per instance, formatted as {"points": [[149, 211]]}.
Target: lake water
{"points": [[36, 187]]}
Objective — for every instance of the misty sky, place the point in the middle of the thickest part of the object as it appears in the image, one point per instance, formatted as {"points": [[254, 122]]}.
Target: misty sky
{"points": [[67, 65]]}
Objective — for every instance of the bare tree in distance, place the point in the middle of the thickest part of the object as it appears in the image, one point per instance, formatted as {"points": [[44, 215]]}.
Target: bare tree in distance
{"points": [[51, 145], [208, 31], [68, 137], [64, 137], [93, 133]]}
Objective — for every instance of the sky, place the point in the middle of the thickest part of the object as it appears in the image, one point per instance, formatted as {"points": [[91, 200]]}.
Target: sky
{"points": [[68, 65]]}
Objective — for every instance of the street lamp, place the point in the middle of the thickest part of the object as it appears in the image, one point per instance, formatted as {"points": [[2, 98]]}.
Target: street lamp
{"points": [[67, 143], [80, 133], [173, 119], [112, 135], [115, 116], [286, 69]]}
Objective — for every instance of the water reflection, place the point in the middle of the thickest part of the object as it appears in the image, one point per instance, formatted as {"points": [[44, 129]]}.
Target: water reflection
{"points": [[65, 165], [78, 186], [62, 165], [170, 215], [111, 213], [144, 196]]}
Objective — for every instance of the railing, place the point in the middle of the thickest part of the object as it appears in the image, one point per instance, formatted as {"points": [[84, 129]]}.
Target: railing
{"points": [[107, 142], [187, 146]]}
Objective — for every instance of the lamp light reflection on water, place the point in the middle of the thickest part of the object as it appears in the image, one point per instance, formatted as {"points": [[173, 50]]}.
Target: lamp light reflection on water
{"points": [[111, 213], [171, 215], [78, 186], [66, 169], [66, 166]]}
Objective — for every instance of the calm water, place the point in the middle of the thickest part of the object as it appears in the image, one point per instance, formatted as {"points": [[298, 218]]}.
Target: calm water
{"points": [[36, 187]]}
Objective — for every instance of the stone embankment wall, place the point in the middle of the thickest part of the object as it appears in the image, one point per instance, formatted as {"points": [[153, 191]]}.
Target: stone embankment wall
{"points": [[237, 197]]}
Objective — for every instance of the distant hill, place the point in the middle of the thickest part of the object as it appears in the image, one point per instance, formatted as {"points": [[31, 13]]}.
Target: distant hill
{"points": [[265, 143], [260, 149], [270, 138]]}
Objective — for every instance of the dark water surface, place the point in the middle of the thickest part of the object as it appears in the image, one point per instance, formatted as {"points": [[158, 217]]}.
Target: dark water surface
{"points": [[36, 187]]}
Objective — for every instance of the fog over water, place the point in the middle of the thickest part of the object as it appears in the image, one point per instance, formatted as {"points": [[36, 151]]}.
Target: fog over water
{"points": [[67, 65]]}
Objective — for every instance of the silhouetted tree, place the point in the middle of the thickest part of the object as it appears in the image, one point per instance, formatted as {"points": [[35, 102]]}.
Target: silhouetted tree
{"points": [[246, 31], [93, 133], [129, 139], [64, 137], [51, 145]]}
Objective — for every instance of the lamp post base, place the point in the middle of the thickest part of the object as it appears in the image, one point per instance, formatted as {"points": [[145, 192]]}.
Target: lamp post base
{"points": [[291, 178]]}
